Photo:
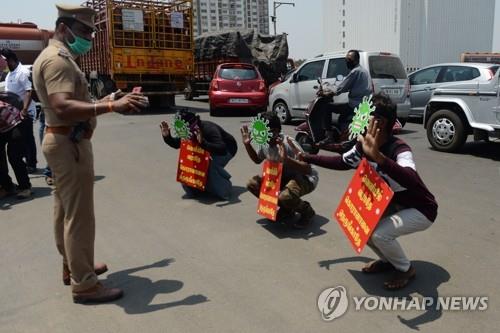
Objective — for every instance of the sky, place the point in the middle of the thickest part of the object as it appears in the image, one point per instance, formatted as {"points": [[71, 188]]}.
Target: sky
{"points": [[303, 22]]}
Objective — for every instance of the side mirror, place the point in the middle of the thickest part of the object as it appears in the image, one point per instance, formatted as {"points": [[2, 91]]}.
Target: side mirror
{"points": [[340, 77], [294, 78]]}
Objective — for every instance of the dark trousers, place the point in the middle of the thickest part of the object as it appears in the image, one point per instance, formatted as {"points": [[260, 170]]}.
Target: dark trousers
{"points": [[29, 142], [12, 146], [346, 113]]}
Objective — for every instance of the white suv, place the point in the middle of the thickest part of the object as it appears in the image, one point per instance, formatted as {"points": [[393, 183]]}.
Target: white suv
{"points": [[290, 98]]}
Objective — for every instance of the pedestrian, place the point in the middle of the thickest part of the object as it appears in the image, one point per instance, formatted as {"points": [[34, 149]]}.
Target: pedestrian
{"points": [[220, 144], [12, 145], [70, 116], [18, 82]]}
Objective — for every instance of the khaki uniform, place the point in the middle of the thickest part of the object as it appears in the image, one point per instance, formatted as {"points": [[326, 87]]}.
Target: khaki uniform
{"points": [[72, 164]]}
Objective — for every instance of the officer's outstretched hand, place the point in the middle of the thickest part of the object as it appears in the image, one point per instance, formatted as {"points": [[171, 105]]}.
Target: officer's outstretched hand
{"points": [[130, 103]]}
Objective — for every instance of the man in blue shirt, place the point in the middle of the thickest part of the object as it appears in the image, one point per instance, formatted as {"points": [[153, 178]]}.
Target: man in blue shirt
{"points": [[358, 84]]}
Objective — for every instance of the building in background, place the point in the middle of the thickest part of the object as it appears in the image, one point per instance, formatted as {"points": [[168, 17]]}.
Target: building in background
{"points": [[422, 32], [216, 15]]}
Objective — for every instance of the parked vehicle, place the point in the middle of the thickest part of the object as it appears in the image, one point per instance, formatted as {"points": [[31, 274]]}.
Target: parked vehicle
{"points": [[424, 81], [291, 98], [484, 57], [457, 110], [141, 43], [25, 39], [237, 87], [268, 53]]}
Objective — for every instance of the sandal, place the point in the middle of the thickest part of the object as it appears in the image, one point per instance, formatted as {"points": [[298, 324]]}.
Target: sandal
{"points": [[400, 279], [377, 266]]}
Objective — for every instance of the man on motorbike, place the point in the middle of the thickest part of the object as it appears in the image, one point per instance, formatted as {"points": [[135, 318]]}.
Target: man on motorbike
{"points": [[357, 83]]}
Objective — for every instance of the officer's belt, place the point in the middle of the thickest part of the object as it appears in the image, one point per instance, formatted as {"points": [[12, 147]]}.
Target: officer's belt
{"points": [[66, 130]]}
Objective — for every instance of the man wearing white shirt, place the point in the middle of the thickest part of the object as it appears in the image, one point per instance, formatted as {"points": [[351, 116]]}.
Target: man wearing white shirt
{"points": [[18, 82]]}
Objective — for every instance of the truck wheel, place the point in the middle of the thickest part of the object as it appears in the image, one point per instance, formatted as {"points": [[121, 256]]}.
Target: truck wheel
{"points": [[445, 131], [306, 143], [282, 112]]}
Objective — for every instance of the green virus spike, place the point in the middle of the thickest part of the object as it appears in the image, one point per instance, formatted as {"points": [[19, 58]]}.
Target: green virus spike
{"points": [[361, 117], [260, 133], [181, 128]]}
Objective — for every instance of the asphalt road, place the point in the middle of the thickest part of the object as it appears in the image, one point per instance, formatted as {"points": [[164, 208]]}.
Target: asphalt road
{"points": [[206, 266]]}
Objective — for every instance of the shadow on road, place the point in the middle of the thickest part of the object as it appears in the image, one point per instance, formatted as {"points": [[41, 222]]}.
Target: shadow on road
{"points": [[209, 199], [38, 192], [282, 230], [482, 149], [140, 291], [429, 277]]}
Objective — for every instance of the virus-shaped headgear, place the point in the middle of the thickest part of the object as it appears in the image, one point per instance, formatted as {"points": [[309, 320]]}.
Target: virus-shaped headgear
{"points": [[260, 132], [361, 117]]}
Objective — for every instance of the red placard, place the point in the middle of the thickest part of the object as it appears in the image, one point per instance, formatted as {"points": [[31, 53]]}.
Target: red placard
{"points": [[362, 205], [193, 165], [270, 189]]}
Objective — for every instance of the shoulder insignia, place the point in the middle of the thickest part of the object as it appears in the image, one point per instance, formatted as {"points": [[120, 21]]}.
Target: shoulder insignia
{"points": [[64, 53]]}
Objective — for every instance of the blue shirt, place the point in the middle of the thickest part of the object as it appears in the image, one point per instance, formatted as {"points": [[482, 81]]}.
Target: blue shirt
{"points": [[358, 84]]}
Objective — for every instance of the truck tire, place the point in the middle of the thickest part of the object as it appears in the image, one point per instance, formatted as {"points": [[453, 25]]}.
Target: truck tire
{"points": [[446, 131], [281, 110]]}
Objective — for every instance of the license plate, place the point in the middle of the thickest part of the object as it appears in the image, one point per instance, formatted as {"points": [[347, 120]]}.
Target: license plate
{"points": [[394, 91], [238, 100]]}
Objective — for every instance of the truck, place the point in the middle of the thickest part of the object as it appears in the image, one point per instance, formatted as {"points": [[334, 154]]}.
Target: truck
{"points": [[25, 39], [146, 43], [268, 53], [484, 57]]}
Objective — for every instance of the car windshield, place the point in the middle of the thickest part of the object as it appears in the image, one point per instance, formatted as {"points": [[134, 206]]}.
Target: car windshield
{"points": [[384, 67], [238, 73]]}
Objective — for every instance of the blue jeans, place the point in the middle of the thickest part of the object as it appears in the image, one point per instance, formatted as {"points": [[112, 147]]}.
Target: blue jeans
{"points": [[218, 179]]}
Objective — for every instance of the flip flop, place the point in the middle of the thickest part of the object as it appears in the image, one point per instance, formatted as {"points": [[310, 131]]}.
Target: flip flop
{"points": [[400, 279], [377, 266]]}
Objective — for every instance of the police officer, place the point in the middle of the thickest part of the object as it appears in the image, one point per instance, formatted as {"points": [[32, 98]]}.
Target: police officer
{"points": [[71, 119]]}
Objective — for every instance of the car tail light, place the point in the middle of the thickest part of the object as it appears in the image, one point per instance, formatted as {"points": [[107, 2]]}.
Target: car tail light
{"points": [[215, 85], [262, 86]]}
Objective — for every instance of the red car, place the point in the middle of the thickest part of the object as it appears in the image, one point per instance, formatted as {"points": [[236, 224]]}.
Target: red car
{"points": [[237, 86]]}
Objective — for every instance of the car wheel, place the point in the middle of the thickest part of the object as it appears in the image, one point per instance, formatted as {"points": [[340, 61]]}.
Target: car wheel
{"points": [[282, 112], [306, 143], [445, 131], [214, 112]]}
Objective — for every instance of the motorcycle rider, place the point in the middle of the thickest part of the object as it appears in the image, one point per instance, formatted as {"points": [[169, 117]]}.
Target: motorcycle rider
{"points": [[357, 83]]}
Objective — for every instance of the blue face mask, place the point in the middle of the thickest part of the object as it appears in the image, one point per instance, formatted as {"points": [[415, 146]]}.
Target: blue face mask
{"points": [[80, 45]]}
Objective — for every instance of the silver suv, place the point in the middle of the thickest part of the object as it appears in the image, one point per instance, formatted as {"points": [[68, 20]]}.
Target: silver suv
{"points": [[424, 81], [458, 110], [290, 98]]}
